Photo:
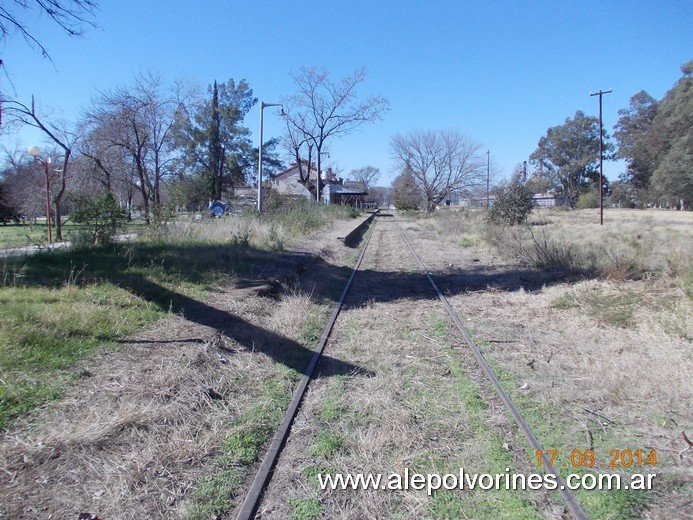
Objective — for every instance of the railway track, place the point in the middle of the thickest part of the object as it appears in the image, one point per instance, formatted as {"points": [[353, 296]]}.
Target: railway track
{"points": [[388, 268]]}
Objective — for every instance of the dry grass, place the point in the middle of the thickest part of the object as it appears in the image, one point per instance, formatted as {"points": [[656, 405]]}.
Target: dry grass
{"points": [[603, 363], [137, 435], [171, 425], [165, 429], [590, 384], [274, 230], [651, 241], [418, 407]]}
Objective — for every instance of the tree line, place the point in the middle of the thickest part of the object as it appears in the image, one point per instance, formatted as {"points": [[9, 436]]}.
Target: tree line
{"points": [[146, 143], [154, 144], [655, 138]]}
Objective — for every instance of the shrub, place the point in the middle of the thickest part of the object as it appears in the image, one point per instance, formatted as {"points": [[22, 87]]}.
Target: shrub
{"points": [[513, 205], [588, 200], [405, 192], [103, 216]]}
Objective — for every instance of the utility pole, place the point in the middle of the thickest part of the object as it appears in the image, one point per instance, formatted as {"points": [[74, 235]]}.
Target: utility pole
{"points": [[601, 156], [488, 177]]}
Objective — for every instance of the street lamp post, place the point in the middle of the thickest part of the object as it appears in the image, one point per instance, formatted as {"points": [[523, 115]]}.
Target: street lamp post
{"points": [[35, 151], [263, 105]]}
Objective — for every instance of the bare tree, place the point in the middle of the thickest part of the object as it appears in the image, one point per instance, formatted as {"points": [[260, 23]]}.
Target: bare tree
{"points": [[140, 121], [59, 134], [25, 184], [108, 164], [322, 109], [70, 15], [365, 176], [441, 162]]}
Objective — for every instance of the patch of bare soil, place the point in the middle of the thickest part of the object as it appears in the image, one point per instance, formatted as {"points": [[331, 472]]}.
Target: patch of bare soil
{"points": [[141, 426]]}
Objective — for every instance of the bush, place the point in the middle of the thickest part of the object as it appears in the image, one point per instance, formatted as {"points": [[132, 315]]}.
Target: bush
{"points": [[588, 200], [406, 194], [513, 205], [541, 251], [103, 216]]}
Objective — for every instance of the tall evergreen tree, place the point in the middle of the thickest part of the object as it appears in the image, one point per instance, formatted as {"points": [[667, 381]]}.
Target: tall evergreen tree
{"points": [[672, 180], [656, 138], [216, 151], [214, 141]]}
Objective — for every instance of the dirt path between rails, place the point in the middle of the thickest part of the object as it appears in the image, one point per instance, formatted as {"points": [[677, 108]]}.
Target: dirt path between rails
{"points": [[418, 408]]}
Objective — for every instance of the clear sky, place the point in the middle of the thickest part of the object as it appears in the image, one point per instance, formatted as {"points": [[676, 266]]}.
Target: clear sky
{"points": [[500, 72]]}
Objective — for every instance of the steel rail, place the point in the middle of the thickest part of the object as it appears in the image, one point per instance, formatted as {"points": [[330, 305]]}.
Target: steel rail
{"points": [[571, 502], [263, 475]]}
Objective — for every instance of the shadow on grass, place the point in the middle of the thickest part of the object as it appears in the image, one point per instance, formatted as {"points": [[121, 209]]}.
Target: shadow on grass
{"points": [[161, 273], [280, 348], [170, 276]]}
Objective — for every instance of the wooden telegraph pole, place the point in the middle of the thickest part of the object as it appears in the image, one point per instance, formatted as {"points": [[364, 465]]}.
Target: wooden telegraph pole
{"points": [[601, 157]]}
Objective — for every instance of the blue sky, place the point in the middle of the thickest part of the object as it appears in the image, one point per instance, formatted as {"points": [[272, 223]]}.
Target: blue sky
{"points": [[500, 72]]}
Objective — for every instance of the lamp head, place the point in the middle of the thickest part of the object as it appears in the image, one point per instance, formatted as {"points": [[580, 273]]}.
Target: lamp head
{"points": [[34, 151]]}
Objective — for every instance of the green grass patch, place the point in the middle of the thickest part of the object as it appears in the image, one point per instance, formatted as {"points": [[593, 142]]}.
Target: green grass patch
{"points": [[439, 329], [59, 306], [612, 308], [214, 496], [22, 235], [249, 433], [327, 445], [43, 332], [565, 301], [305, 508], [332, 408], [470, 241], [489, 454], [312, 330]]}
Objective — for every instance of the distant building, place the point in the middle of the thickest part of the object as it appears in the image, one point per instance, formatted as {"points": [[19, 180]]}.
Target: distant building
{"points": [[334, 193], [548, 199], [477, 201], [335, 190], [288, 182]]}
